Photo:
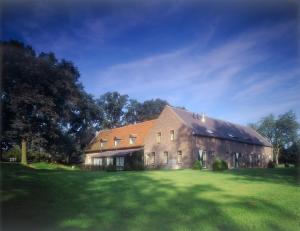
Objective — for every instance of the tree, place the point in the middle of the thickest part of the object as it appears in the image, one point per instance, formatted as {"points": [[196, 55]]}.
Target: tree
{"points": [[151, 109], [112, 105], [282, 132], [132, 110], [42, 99], [291, 155]]}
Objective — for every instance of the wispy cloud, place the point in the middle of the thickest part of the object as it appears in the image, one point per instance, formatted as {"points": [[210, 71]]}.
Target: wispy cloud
{"points": [[201, 78]]}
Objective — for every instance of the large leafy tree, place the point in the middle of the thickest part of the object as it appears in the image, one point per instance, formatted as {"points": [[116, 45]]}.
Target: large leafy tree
{"points": [[43, 100], [112, 105], [282, 132], [150, 109], [119, 110]]}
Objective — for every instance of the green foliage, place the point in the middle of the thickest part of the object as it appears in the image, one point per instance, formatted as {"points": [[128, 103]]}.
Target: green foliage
{"points": [[197, 165], [112, 105], [44, 101], [271, 164], [13, 152], [134, 166], [291, 155], [110, 168], [219, 165], [281, 132], [118, 109]]}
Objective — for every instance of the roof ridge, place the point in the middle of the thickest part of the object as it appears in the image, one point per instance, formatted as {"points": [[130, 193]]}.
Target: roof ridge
{"points": [[127, 125]]}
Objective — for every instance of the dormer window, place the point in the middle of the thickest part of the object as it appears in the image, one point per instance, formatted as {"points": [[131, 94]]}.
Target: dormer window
{"points": [[102, 143], [132, 139], [117, 141]]}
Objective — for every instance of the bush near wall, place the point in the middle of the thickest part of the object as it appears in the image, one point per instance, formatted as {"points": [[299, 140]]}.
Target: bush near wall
{"points": [[219, 165], [197, 165], [271, 164]]}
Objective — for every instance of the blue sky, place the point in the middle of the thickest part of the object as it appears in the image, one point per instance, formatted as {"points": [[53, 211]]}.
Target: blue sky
{"points": [[233, 60]]}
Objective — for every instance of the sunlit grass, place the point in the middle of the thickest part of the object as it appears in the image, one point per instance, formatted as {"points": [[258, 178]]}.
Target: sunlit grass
{"points": [[47, 198]]}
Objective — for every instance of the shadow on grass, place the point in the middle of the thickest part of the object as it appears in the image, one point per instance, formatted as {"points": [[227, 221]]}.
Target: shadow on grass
{"points": [[276, 175], [74, 200]]}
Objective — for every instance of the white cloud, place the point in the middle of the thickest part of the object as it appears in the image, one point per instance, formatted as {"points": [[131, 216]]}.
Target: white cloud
{"points": [[201, 78]]}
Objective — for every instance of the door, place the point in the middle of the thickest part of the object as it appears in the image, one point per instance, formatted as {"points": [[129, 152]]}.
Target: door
{"points": [[120, 162], [203, 157], [236, 156]]}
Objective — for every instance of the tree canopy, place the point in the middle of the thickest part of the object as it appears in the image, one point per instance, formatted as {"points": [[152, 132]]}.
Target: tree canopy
{"points": [[46, 109], [282, 132], [43, 102]]}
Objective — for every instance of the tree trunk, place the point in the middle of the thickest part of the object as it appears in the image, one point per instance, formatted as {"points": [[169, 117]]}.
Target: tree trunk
{"points": [[24, 152], [276, 153]]}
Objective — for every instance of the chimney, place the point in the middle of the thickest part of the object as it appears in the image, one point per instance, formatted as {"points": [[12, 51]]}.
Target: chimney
{"points": [[203, 118]]}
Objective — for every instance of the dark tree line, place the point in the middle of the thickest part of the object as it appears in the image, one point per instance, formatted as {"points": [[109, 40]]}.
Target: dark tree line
{"points": [[45, 109]]}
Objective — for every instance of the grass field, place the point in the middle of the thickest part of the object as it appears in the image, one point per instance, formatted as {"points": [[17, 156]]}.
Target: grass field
{"points": [[54, 197]]}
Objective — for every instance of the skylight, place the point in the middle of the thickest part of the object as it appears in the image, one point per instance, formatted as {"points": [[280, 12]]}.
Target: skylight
{"points": [[230, 135], [209, 131]]}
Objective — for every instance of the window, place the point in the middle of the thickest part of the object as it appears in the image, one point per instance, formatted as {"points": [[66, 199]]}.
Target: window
{"points": [[102, 143], [152, 158], [202, 156], [172, 135], [158, 137], [97, 161], [132, 140], [117, 141], [120, 162], [204, 159], [179, 157], [165, 159], [109, 161]]}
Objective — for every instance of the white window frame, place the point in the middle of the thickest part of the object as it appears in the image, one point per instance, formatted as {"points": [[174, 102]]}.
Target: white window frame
{"points": [[117, 142], [120, 162], [132, 140], [152, 158], [166, 157], [98, 161], [158, 137], [109, 161], [179, 154], [172, 135], [102, 143]]}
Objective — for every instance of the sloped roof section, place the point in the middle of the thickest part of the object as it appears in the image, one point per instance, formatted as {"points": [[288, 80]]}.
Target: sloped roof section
{"points": [[220, 129], [111, 153], [123, 134]]}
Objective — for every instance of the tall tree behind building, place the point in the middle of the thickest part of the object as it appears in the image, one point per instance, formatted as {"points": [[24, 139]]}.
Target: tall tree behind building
{"points": [[282, 132]]}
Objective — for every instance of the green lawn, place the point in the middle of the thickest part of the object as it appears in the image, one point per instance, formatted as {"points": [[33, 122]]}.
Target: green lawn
{"points": [[58, 198]]}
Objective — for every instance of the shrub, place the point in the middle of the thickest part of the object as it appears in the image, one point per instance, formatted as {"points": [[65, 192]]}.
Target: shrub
{"points": [[271, 164], [220, 165], [110, 168], [13, 153], [286, 165], [197, 165]]}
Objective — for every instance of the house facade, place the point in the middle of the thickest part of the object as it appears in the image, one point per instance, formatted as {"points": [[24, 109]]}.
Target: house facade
{"points": [[178, 138], [118, 147]]}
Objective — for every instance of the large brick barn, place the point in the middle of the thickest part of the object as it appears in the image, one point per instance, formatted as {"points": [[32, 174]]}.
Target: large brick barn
{"points": [[176, 139]]}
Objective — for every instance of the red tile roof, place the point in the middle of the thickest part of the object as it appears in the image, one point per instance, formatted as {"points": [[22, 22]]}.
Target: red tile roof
{"points": [[138, 130]]}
